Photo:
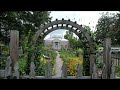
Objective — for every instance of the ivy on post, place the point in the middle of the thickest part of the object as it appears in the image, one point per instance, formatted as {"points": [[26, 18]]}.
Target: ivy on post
{"points": [[86, 62]]}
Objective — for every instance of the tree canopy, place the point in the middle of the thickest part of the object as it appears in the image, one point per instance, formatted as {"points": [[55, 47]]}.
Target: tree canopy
{"points": [[75, 42], [108, 26], [26, 22]]}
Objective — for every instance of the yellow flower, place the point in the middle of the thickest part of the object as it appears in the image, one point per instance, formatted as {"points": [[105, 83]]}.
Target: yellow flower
{"points": [[72, 65]]}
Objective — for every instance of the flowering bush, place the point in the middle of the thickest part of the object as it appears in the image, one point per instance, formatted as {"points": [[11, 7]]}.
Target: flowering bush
{"points": [[72, 66], [72, 60]]}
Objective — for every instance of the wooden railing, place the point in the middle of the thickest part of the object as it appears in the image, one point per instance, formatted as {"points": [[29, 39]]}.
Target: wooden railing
{"points": [[116, 59]]}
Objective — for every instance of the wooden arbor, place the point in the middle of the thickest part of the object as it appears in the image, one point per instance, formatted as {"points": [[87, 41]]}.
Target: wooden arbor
{"points": [[88, 46]]}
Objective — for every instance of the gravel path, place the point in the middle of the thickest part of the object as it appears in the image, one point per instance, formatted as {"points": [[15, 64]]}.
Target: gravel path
{"points": [[58, 65]]}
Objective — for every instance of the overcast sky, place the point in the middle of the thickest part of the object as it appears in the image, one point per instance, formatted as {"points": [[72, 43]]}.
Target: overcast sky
{"points": [[89, 18]]}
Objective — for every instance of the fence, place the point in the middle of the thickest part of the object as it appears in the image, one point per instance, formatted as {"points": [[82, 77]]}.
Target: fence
{"points": [[116, 59]]}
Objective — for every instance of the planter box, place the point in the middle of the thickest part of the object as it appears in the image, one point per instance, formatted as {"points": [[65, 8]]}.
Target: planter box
{"points": [[2, 73]]}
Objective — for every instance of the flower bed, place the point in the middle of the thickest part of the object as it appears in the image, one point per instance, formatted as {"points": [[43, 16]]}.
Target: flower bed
{"points": [[72, 59]]}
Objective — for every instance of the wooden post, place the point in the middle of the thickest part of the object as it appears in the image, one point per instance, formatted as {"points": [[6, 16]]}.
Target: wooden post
{"points": [[79, 72], [91, 63], [8, 67], [94, 74], [14, 46], [107, 56], [64, 71], [112, 75], [104, 75], [48, 71], [32, 70]]}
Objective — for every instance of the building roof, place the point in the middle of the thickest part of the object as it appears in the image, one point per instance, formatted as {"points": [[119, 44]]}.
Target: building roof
{"points": [[51, 39], [56, 36]]}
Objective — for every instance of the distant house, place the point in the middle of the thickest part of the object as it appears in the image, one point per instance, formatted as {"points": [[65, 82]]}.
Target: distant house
{"points": [[56, 42]]}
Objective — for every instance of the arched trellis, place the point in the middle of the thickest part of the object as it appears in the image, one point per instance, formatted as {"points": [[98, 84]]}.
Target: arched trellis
{"points": [[84, 36]]}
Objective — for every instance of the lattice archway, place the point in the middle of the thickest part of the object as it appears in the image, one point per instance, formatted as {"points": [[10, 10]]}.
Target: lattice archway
{"points": [[84, 36]]}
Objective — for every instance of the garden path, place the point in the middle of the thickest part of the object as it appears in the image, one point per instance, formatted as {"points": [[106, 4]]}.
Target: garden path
{"points": [[58, 65]]}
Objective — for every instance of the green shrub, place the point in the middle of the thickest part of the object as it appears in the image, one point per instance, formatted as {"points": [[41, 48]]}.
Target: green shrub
{"points": [[22, 65], [71, 59], [117, 70]]}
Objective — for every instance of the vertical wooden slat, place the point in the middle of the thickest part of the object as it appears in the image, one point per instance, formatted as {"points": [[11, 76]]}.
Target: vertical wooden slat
{"points": [[94, 74], [118, 60], [112, 75], [14, 46], [79, 72], [32, 70], [48, 71], [64, 71], [107, 56], [91, 63], [104, 75], [8, 67]]}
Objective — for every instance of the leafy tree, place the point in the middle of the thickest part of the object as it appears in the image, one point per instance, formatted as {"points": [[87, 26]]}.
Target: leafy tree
{"points": [[27, 23], [108, 26], [74, 42], [24, 21]]}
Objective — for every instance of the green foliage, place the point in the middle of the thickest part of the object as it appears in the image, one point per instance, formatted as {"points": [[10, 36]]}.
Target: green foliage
{"points": [[22, 65], [117, 71], [40, 62], [26, 22], [53, 58], [108, 26], [74, 42], [40, 66], [4, 53], [79, 51], [71, 59]]}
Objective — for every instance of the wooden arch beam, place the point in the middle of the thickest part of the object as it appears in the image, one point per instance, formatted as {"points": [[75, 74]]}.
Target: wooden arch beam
{"points": [[67, 22], [73, 24]]}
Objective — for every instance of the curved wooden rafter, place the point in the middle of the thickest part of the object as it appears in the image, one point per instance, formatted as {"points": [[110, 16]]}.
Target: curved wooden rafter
{"points": [[81, 32], [68, 25]]}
